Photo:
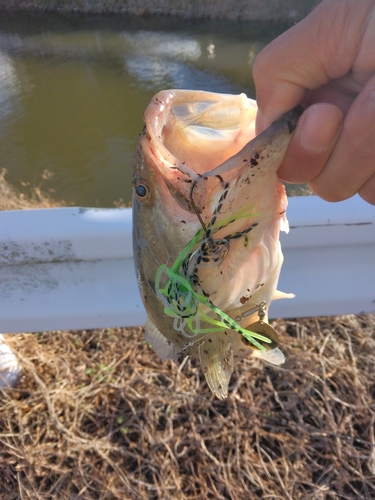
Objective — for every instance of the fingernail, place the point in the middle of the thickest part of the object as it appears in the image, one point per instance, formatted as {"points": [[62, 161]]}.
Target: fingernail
{"points": [[319, 128]]}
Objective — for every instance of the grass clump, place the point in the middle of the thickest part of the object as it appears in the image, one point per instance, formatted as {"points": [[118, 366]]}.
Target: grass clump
{"points": [[33, 197]]}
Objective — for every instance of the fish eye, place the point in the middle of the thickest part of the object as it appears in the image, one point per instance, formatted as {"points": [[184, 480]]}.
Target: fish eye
{"points": [[142, 191]]}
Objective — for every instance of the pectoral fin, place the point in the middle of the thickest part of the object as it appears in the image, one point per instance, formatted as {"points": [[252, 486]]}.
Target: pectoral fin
{"points": [[161, 345], [282, 295], [274, 356]]}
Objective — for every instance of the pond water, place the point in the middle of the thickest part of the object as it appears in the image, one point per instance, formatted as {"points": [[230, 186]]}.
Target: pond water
{"points": [[73, 90]]}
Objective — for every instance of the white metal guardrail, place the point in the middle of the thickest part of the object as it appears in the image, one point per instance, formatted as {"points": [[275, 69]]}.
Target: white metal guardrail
{"points": [[72, 268]]}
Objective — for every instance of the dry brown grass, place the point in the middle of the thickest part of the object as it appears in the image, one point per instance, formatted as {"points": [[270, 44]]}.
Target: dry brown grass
{"points": [[97, 415], [33, 197]]}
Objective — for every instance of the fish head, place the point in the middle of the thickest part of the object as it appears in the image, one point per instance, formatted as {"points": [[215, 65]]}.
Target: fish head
{"points": [[179, 126], [207, 211], [161, 192]]}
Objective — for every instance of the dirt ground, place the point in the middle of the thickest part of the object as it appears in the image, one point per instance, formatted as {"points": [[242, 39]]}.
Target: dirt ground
{"points": [[97, 415]]}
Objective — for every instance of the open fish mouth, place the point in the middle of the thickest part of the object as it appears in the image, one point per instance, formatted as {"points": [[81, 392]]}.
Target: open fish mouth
{"points": [[206, 229], [198, 136]]}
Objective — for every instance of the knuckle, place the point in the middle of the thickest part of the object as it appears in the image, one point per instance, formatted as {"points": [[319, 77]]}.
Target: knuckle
{"points": [[367, 191], [331, 193], [260, 67]]}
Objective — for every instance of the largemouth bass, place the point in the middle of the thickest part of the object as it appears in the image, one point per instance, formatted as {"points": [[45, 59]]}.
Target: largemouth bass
{"points": [[207, 211]]}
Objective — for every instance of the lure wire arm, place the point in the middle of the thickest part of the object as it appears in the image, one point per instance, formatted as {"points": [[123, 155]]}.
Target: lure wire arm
{"points": [[260, 308], [195, 208]]}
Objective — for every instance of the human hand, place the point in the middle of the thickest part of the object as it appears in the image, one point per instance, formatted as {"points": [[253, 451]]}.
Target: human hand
{"points": [[327, 63]]}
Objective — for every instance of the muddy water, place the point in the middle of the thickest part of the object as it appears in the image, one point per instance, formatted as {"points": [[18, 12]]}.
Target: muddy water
{"points": [[73, 90]]}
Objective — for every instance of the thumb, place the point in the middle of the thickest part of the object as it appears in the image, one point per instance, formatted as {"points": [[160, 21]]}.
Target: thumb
{"points": [[321, 48]]}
